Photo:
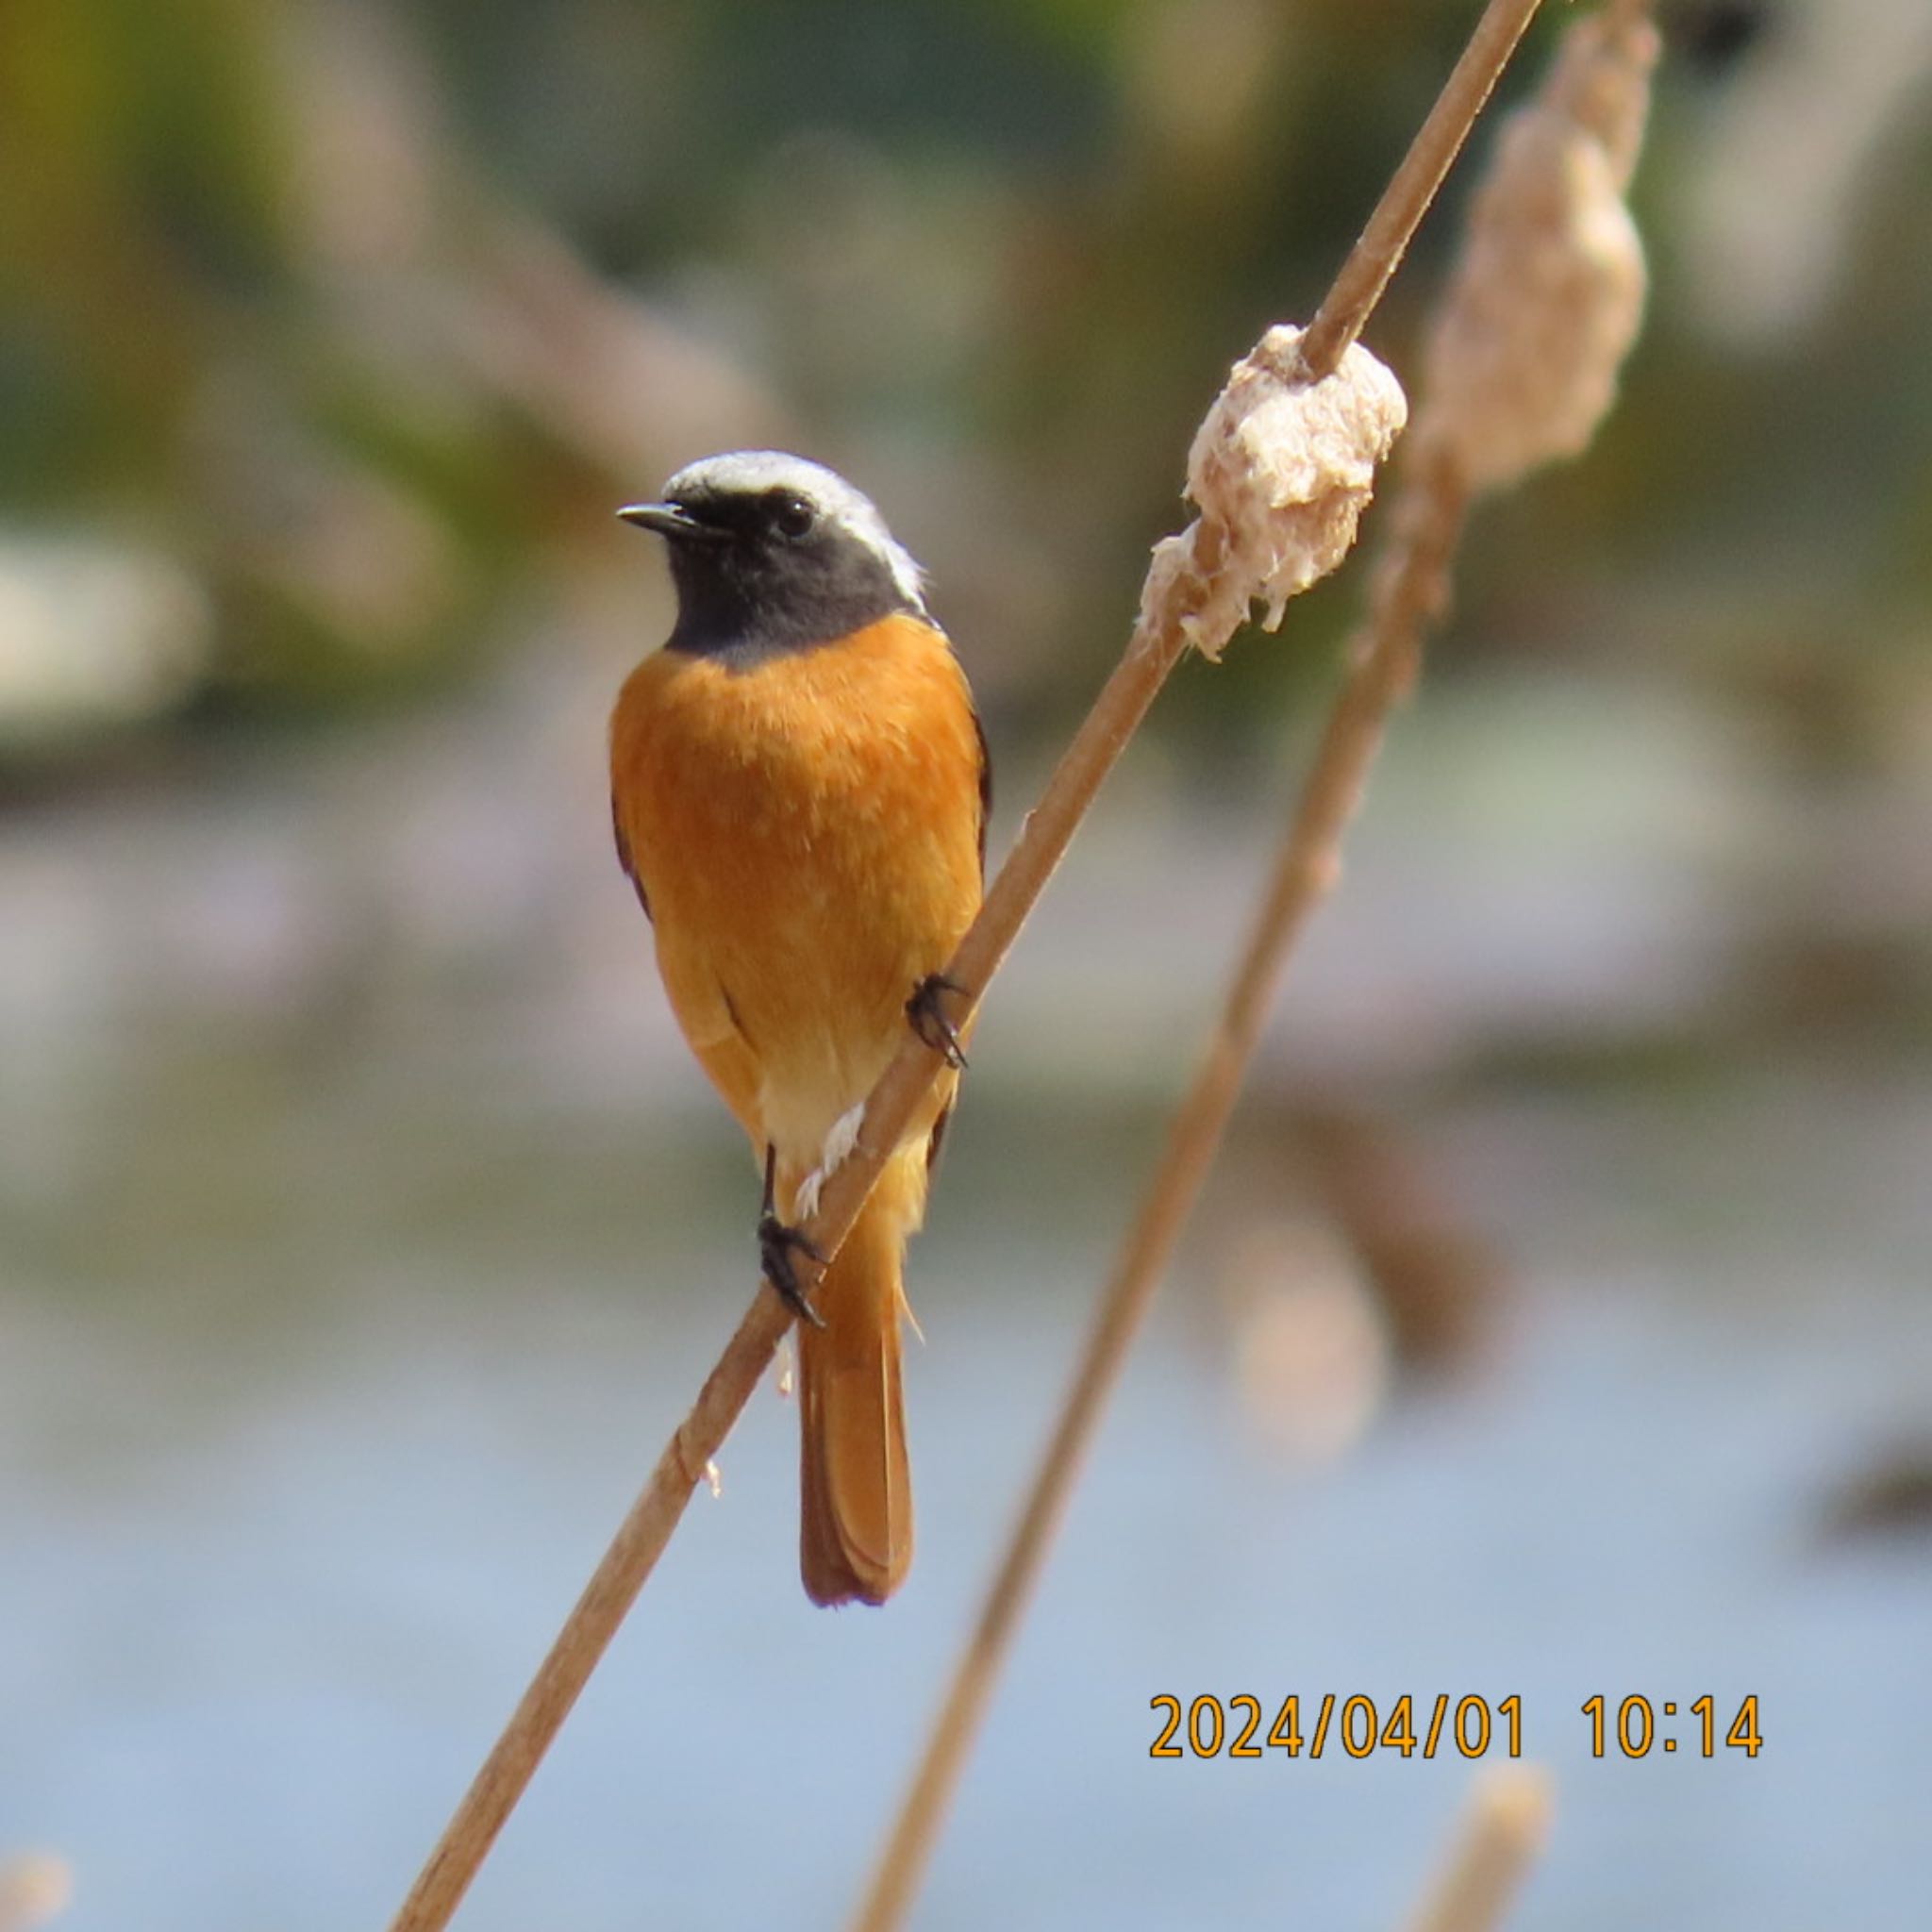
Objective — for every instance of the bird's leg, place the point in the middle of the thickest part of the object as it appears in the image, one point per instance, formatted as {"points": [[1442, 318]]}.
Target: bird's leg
{"points": [[778, 1241], [930, 1019]]}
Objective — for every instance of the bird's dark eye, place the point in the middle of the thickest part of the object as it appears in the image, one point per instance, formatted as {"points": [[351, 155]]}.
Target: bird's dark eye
{"points": [[791, 515]]}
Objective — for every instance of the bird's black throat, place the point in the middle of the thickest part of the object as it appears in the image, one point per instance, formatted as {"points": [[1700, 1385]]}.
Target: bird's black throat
{"points": [[760, 594]]}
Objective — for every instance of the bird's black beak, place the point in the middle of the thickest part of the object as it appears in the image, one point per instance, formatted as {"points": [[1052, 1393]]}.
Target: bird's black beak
{"points": [[673, 521]]}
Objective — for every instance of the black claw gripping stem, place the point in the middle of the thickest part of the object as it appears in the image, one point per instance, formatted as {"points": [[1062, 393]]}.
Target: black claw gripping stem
{"points": [[928, 1019], [777, 1243]]}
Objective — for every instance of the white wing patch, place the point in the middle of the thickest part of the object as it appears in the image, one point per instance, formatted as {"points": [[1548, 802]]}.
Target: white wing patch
{"points": [[832, 1156]]}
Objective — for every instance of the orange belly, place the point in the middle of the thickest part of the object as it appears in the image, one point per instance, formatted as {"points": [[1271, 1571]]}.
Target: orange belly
{"points": [[807, 830]]}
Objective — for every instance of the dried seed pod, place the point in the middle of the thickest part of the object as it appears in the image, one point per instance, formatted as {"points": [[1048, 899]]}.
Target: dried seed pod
{"points": [[34, 1888], [1548, 292], [1281, 470]]}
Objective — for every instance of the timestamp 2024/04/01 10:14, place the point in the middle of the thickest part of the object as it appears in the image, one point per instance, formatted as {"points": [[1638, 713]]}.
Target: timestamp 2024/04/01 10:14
{"points": [[1470, 1726]]}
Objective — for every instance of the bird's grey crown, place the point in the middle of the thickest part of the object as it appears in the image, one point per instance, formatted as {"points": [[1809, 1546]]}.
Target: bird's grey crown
{"points": [[754, 473]]}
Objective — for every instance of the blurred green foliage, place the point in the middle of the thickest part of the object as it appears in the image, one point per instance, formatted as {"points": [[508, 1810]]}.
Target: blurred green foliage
{"points": [[351, 314]]}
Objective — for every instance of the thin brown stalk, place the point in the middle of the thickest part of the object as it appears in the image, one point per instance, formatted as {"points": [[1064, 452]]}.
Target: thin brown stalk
{"points": [[640, 1539], [1375, 256], [1502, 1834], [1410, 591], [1306, 867], [1158, 642]]}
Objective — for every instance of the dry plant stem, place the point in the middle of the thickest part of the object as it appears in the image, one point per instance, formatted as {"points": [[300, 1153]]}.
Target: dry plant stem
{"points": [[1151, 654], [1355, 290], [1508, 1822], [593, 1623], [1410, 591], [627, 1565], [632, 1555], [1306, 867]]}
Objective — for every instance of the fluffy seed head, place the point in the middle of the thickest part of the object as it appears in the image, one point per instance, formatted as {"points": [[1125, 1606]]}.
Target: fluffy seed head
{"points": [[1282, 469], [1548, 292]]}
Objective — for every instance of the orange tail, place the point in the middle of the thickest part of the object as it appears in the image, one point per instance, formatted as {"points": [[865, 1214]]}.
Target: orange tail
{"points": [[855, 1542]]}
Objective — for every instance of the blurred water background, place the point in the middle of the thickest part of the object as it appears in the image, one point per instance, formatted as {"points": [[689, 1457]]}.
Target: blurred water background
{"points": [[1557, 1324]]}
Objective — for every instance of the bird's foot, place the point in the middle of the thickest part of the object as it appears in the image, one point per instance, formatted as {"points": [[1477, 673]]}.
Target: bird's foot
{"points": [[778, 1241], [930, 1019], [777, 1244]]}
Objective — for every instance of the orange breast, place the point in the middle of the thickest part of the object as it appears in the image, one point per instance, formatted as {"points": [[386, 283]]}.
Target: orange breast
{"points": [[806, 829]]}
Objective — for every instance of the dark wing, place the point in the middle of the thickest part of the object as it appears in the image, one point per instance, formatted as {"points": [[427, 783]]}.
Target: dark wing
{"points": [[937, 1140], [630, 871], [985, 790]]}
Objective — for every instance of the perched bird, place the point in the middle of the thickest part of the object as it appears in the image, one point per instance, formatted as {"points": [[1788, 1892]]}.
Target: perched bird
{"points": [[799, 789]]}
